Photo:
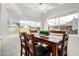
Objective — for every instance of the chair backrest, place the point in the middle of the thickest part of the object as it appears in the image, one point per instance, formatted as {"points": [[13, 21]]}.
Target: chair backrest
{"points": [[64, 44], [31, 43], [24, 44], [25, 29], [33, 31], [57, 31]]}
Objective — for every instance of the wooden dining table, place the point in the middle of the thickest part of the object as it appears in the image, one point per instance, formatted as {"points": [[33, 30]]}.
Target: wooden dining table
{"points": [[52, 40]]}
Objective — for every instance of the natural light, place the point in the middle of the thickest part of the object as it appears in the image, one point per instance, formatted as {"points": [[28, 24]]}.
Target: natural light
{"points": [[61, 20], [30, 23]]}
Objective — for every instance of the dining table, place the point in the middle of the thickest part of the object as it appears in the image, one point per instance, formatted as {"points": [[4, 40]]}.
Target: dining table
{"points": [[53, 40]]}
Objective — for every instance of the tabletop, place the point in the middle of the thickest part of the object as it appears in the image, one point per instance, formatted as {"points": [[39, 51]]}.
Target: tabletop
{"points": [[52, 37]]}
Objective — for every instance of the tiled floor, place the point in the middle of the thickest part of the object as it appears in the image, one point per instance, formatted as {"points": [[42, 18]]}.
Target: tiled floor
{"points": [[12, 46], [73, 46]]}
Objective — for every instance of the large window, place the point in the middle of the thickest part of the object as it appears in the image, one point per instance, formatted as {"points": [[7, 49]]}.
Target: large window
{"points": [[13, 26], [26, 26], [30, 23], [69, 23]]}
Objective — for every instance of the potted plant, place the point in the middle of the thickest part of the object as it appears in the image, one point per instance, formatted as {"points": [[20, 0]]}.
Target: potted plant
{"points": [[43, 32]]}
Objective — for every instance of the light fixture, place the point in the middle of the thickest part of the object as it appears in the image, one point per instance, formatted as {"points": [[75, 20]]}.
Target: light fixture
{"points": [[45, 7]]}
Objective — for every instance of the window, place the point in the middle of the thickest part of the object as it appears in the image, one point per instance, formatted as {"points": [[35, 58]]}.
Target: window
{"points": [[30, 23], [68, 23], [53, 22], [26, 26]]}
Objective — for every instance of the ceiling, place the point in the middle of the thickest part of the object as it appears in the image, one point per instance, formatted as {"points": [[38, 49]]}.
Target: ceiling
{"points": [[39, 10], [41, 7]]}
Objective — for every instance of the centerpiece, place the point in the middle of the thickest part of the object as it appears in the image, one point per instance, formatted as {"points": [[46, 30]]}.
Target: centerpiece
{"points": [[43, 32]]}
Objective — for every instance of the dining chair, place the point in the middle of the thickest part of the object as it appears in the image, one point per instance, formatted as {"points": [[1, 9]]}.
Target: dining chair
{"points": [[33, 31], [57, 31], [36, 50], [62, 48], [24, 44]]}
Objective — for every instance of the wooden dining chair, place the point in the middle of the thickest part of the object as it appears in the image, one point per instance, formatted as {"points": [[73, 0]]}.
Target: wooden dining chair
{"points": [[24, 44], [33, 31], [57, 31], [36, 50], [62, 48]]}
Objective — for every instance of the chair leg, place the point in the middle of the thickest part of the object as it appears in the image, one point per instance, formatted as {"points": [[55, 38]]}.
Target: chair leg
{"points": [[21, 51], [66, 51], [66, 54], [27, 51]]}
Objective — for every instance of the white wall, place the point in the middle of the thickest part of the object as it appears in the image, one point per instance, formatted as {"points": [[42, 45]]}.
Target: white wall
{"points": [[4, 28], [6, 39]]}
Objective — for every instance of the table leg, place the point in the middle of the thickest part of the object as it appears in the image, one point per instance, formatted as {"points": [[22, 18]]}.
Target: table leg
{"points": [[54, 50]]}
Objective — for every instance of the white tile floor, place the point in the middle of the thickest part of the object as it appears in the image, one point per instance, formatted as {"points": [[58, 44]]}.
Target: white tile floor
{"points": [[12, 46], [73, 46]]}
